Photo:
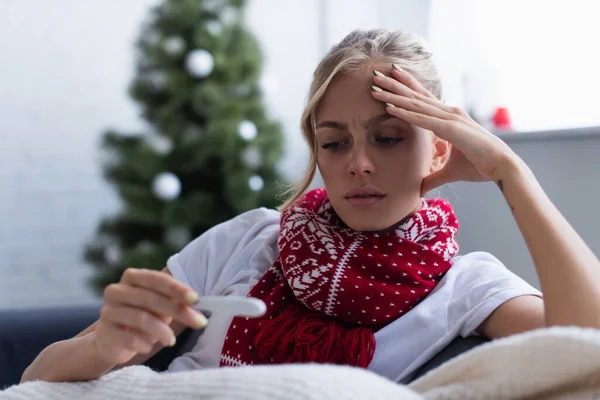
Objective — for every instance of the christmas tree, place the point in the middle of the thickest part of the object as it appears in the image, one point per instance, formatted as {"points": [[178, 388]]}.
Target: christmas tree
{"points": [[211, 151]]}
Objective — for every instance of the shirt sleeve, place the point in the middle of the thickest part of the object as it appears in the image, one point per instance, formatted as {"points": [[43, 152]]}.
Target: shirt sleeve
{"points": [[481, 287], [201, 263]]}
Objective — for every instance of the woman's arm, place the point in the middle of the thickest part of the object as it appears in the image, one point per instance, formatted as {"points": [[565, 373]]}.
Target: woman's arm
{"points": [[70, 360], [568, 270], [79, 359]]}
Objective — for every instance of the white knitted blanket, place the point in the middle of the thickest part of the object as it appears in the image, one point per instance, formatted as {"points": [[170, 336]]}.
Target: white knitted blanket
{"points": [[553, 363]]}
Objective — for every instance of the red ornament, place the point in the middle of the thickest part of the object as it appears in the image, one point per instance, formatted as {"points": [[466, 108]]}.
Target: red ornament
{"points": [[501, 118]]}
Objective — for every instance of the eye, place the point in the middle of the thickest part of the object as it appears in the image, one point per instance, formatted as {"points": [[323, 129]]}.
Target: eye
{"points": [[389, 140], [332, 145]]}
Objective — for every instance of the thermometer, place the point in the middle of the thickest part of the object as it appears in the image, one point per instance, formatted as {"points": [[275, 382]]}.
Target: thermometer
{"points": [[232, 305]]}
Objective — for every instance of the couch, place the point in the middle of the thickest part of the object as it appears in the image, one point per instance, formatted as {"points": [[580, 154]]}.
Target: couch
{"points": [[25, 333]]}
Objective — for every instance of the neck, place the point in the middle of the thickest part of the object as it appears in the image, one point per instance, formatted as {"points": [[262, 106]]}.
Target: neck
{"points": [[390, 228]]}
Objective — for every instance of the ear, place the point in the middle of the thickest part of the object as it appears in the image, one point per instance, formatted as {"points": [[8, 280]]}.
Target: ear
{"points": [[441, 153]]}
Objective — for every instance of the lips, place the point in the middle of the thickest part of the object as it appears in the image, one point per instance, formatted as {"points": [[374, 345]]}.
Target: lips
{"points": [[363, 192], [364, 196]]}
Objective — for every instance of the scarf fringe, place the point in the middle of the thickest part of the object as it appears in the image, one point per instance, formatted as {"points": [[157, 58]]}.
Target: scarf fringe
{"points": [[298, 334]]}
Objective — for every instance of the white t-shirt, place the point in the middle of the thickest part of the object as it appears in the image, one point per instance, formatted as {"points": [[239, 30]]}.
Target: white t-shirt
{"points": [[230, 258]]}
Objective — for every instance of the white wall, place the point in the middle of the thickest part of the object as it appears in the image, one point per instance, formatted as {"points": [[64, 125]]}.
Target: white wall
{"points": [[533, 57], [64, 70]]}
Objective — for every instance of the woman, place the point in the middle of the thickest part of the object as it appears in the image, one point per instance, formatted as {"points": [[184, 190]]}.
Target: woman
{"points": [[365, 273]]}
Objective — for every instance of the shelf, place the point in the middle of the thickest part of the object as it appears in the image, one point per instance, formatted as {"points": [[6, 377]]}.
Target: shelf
{"points": [[592, 132]]}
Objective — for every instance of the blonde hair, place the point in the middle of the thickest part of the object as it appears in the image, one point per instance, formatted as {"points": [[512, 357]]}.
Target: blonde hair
{"points": [[358, 50]]}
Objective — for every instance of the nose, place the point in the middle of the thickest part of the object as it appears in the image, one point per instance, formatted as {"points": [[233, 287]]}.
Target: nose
{"points": [[360, 162]]}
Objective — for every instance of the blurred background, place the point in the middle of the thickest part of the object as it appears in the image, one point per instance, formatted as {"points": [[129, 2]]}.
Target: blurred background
{"points": [[127, 128]]}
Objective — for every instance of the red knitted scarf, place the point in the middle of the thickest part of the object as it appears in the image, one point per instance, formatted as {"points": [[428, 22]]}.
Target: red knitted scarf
{"points": [[332, 287]]}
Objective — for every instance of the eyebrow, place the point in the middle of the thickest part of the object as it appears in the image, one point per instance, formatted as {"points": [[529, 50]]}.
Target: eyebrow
{"points": [[371, 122]]}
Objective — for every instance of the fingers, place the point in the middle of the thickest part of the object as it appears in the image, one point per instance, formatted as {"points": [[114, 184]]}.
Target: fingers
{"points": [[453, 131], [406, 85], [135, 319], [157, 303], [410, 81], [411, 104], [441, 127], [159, 282]]}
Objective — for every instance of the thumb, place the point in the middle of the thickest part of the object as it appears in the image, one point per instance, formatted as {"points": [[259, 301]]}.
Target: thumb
{"points": [[435, 180]]}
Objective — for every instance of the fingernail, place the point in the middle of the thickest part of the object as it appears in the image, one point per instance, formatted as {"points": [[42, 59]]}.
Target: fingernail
{"points": [[200, 320], [390, 105], [376, 89], [396, 67], [379, 74], [192, 297], [172, 342]]}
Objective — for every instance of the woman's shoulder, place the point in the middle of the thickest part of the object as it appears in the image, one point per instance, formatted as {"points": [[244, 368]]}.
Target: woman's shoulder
{"points": [[246, 227], [246, 237], [481, 269], [477, 267], [476, 258], [228, 234], [256, 216]]}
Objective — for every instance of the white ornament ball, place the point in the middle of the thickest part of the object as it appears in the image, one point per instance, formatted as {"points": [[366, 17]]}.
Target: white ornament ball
{"points": [[256, 183], [112, 254], [214, 27], [160, 144], [166, 186], [199, 63], [252, 157], [174, 45], [247, 130]]}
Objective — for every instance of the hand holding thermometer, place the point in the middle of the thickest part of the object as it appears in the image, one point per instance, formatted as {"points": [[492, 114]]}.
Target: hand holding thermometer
{"points": [[231, 305]]}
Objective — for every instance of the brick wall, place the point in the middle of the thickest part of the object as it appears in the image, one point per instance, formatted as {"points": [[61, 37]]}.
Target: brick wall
{"points": [[63, 80]]}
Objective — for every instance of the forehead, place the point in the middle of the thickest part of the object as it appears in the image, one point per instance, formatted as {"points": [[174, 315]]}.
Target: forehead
{"points": [[348, 99], [349, 94]]}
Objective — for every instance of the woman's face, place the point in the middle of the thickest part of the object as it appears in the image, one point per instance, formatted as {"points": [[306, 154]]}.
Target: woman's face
{"points": [[361, 146]]}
